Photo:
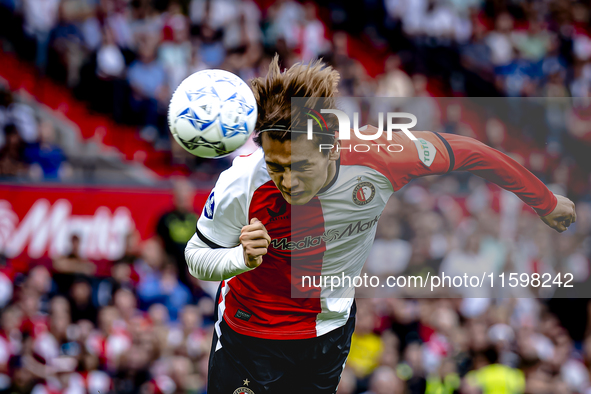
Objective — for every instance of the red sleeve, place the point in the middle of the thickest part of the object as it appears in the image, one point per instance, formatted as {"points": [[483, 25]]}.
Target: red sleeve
{"points": [[469, 154], [436, 154]]}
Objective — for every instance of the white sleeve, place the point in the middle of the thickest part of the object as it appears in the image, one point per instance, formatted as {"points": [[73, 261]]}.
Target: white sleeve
{"points": [[215, 252], [206, 263], [226, 209]]}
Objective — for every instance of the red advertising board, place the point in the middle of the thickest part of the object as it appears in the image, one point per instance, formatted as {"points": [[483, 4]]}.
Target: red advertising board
{"points": [[38, 221]]}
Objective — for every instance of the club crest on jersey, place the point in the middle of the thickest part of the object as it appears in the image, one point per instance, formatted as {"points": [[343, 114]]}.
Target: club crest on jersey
{"points": [[426, 151], [243, 390], [363, 193], [209, 207]]}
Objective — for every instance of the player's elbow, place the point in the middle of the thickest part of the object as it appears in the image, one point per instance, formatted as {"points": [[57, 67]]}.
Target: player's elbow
{"points": [[193, 261], [197, 263]]}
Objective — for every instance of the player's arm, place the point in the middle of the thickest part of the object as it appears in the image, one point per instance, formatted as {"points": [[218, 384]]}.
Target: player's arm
{"points": [[213, 263], [460, 153], [209, 261], [226, 243]]}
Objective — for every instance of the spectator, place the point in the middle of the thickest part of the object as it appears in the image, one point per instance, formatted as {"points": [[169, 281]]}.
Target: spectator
{"points": [[23, 117], [46, 158], [68, 266], [23, 380], [126, 303], [81, 303], [110, 73], [146, 23], [177, 226], [164, 287], [533, 44], [40, 16], [476, 54], [366, 347], [210, 47], [147, 79], [83, 13], [188, 338], [312, 42], [390, 254], [471, 258], [445, 381], [500, 42], [60, 378], [492, 377], [175, 55], [121, 277], [395, 82], [68, 43], [116, 19], [12, 154], [9, 330], [385, 381], [348, 383]]}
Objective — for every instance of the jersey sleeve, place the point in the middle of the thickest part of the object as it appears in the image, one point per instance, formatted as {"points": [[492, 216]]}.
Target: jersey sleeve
{"points": [[434, 154]]}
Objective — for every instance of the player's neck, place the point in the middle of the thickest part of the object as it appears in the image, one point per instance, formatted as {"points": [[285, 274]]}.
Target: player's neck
{"points": [[332, 174]]}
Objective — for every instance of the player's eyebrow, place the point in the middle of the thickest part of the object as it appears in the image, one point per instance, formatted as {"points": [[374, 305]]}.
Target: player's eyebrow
{"points": [[290, 165]]}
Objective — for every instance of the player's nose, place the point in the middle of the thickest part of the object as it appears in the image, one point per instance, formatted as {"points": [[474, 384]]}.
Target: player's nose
{"points": [[289, 181], [286, 180]]}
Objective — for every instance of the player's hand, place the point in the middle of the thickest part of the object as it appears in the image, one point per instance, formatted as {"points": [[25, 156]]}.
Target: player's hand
{"points": [[254, 240], [562, 216]]}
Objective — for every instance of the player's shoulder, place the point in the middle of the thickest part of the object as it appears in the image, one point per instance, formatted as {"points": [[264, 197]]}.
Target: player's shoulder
{"points": [[396, 155], [387, 149], [235, 187], [246, 174]]}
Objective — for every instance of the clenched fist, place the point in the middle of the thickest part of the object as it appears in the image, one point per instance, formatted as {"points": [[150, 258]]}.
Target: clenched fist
{"points": [[254, 240], [562, 216]]}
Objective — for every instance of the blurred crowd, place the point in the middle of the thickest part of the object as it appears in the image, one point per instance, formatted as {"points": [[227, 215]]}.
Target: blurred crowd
{"points": [[126, 57], [30, 144], [142, 326], [147, 327], [508, 340]]}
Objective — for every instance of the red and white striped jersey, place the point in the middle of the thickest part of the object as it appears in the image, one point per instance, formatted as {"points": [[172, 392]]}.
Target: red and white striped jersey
{"points": [[333, 233]]}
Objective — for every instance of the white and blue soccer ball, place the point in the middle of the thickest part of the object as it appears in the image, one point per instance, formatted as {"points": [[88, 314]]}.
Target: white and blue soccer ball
{"points": [[212, 113]]}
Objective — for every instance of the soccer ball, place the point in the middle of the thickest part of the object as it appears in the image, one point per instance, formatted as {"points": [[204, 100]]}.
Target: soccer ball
{"points": [[212, 113]]}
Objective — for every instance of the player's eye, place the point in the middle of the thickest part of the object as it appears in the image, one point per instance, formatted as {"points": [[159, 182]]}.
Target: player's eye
{"points": [[274, 168]]}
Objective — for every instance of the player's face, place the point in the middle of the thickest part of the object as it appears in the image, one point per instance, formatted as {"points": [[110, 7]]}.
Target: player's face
{"points": [[298, 168]]}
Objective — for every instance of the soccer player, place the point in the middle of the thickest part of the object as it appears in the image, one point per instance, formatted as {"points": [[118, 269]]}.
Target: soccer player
{"points": [[266, 340]]}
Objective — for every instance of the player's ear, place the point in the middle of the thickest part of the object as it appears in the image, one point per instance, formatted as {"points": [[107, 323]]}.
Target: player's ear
{"points": [[335, 151]]}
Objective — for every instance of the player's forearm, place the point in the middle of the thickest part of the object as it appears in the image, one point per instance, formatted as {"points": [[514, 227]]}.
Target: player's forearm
{"points": [[214, 264], [494, 166]]}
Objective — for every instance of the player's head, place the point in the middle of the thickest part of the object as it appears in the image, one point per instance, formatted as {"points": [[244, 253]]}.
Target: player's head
{"points": [[296, 164]]}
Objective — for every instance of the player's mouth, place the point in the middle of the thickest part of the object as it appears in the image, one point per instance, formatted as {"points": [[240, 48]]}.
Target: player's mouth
{"points": [[295, 195]]}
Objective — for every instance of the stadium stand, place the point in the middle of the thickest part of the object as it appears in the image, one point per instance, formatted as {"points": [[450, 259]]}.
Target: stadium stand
{"points": [[92, 294]]}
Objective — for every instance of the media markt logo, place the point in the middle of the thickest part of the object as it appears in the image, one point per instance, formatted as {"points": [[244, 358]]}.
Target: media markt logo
{"points": [[328, 236]]}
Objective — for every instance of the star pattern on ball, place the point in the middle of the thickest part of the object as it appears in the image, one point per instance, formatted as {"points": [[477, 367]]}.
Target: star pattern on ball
{"points": [[198, 123], [225, 79], [194, 95], [242, 127], [198, 141]]}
